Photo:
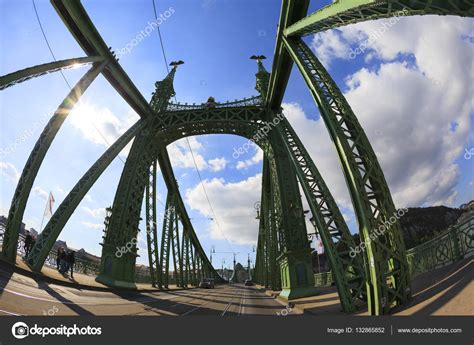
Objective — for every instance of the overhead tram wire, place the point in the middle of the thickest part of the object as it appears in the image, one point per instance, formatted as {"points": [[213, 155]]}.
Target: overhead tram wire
{"points": [[64, 77], [187, 140]]}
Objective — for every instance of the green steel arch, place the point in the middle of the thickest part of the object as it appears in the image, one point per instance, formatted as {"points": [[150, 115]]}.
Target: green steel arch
{"points": [[380, 276]]}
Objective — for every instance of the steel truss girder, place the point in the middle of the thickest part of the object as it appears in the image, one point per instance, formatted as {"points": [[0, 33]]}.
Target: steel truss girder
{"points": [[345, 12], [261, 260], [33, 164], [175, 249], [151, 228], [371, 197], [166, 239], [348, 272], [185, 255], [271, 212], [292, 228], [20, 76]]}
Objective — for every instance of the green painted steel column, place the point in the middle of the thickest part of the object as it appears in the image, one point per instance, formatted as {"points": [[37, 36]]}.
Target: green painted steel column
{"points": [[151, 232], [119, 270], [165, 240], [296, 269]]}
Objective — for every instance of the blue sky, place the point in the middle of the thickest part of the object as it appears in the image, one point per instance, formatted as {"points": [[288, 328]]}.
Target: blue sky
{"points": [[411, 90]]}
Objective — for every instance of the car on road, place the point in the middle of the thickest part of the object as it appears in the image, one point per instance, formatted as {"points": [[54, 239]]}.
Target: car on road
{"points": [[248, 282], [207, 283]]}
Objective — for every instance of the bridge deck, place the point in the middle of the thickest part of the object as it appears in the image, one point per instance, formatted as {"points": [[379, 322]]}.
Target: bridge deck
{"points": [[445, 291], [21, 294]]}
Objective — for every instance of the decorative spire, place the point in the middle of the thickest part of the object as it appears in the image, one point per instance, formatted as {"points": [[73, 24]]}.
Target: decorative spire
{"points": [[164, 89], [263, 77]]}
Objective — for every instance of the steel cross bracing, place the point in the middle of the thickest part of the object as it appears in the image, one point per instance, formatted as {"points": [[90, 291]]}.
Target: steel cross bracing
{"points": [[282, 252]]}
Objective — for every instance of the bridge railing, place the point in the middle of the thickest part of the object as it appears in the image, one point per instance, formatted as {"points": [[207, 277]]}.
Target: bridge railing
{"points": [[251, 101], [323, 279], [453, 245], [80, 266], [86, 267]]}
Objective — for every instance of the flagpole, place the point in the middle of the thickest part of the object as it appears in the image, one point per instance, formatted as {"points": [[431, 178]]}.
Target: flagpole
{"points": [[317, 254], [48, 204], [44, 212]]}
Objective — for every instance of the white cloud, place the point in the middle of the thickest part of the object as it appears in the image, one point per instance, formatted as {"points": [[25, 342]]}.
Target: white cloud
{"points": [[10, 171], [329, 45], [88, 198], [100, 125], [217, 164], [95, 212], [60, 190], [406, 108], [40, 193], [93, 225], [256, 158], [181, 156], [233, 204]]}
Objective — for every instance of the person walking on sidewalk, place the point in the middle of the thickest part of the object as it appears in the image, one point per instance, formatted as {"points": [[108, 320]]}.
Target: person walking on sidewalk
{"points": [[71, 259]]}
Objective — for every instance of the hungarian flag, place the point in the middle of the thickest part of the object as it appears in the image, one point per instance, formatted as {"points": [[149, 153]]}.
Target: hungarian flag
{"points": [[48, 211]]}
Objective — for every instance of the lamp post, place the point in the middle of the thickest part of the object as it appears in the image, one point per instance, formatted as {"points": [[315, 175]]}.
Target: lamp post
{"points": [[310, 237]]}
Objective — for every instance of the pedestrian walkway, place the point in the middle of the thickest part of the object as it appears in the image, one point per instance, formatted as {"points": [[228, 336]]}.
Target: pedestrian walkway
{"points": [[445, 291], [82, 280]]}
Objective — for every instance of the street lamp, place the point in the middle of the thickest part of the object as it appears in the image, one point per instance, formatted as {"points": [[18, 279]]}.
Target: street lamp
{"points": [[310, 238], [257, 206]]}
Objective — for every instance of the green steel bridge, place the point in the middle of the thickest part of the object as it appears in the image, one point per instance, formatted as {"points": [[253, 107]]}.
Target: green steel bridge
{"points": [[379, 276]]}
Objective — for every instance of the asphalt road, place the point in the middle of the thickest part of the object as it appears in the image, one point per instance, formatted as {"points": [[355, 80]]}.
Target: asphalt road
{"points": [[22, 295]]}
